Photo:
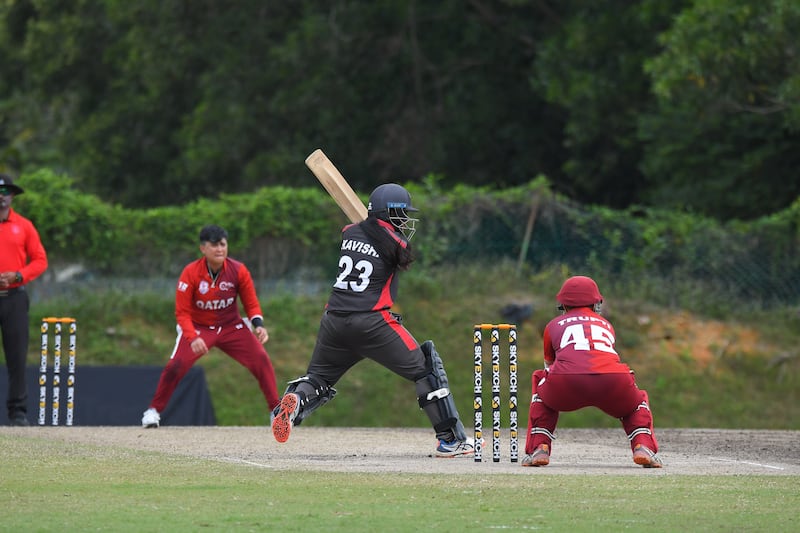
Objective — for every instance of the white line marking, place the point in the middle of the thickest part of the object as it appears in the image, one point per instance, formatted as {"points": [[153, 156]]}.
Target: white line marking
{"points": [[243, 461], [747, 463], [512, 527]]}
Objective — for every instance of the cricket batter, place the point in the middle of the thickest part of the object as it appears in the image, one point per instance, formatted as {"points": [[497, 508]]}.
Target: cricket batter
{"points": [[358, 324]]}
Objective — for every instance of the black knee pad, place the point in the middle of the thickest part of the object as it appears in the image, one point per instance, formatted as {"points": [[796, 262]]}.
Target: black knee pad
{"points": [[313, 391]]}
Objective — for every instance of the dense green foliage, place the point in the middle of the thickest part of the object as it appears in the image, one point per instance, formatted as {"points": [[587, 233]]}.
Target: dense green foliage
{"points": [[669, 104], [283, 231], [77, 227], [729, 78]]}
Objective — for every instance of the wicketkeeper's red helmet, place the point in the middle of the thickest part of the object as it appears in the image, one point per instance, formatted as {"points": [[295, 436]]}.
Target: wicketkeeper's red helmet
{"points": [[579, 291]]}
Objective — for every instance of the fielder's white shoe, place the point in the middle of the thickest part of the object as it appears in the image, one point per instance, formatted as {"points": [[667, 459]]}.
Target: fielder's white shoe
{"points": [[151, 418]]}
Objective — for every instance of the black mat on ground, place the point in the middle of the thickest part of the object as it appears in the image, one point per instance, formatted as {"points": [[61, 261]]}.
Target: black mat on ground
{"points": [[116, 396]]}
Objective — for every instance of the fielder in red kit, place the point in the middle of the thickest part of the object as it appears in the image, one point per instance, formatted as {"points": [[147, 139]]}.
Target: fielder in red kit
{"points": [[208, 315], [582, 369]]}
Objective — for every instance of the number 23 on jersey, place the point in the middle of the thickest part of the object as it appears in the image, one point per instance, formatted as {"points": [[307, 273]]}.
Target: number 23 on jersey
{"points": [[362, 269]]}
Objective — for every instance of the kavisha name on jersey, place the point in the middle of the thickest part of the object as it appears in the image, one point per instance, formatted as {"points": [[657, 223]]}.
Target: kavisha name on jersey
{"points": [[212, 305], [359, 246]]}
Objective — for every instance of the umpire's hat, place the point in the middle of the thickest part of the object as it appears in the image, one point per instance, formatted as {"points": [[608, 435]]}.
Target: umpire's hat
{"points": [[7, 185]]}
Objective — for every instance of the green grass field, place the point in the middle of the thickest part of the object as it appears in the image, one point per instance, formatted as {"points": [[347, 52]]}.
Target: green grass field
{"points": [[56, 486]]}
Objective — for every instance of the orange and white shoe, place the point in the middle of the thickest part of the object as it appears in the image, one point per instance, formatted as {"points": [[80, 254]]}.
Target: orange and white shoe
{"points": [[284, 421], [642, 455], [539, 457]]}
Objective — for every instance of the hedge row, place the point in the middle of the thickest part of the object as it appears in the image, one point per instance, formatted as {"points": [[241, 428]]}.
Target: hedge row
{"points": [[283, 230]]}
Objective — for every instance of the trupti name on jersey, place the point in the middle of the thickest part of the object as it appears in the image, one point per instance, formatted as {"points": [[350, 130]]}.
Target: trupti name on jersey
{"points": [[582, 319], [359, 246], [211, 305]]}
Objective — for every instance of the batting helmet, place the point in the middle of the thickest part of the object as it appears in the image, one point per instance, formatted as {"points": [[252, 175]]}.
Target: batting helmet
{"points": [[392, 203], [387, 196], [579, 291]]}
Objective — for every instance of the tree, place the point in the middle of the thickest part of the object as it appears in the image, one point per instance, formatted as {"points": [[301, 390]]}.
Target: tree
{"points": [[677, 103], [723, 139], [590, 66], [162, 101]]}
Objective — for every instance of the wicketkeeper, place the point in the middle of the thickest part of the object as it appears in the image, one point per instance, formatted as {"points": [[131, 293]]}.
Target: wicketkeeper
{"points": [[582, 369]]}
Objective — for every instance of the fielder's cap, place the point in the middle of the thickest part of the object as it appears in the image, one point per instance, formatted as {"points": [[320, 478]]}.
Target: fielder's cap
{"points": [[7, 185], [212, 233]]}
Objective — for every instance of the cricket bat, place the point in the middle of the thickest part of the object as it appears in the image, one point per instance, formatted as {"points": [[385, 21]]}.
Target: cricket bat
{"points": [[333, 181]]}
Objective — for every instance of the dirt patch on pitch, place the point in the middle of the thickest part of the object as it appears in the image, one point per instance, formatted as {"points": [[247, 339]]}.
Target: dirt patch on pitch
{"points": [[402, 450]]}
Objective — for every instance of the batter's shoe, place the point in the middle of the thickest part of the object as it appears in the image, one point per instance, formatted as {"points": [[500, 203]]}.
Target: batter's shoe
{"points": [[455, 448], [284, 419], [539, 457], [642, 455], [151, 418]]}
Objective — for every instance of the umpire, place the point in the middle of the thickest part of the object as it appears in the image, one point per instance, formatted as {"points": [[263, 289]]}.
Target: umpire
{"points": [[22, 259]]}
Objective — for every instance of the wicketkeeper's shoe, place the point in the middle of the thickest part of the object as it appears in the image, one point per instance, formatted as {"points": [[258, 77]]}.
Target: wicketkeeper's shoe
{"points": [[642, 455], [284, 419], [539, 457], [151, 418], [455, 448]]}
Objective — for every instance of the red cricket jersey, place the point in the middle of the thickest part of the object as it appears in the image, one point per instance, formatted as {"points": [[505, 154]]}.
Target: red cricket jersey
{"points": [[582, 342], [203, 301], [21, 249]]}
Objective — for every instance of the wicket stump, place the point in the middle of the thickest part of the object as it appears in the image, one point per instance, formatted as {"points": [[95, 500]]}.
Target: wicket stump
{"points": [[495, 389], [57, 323]]}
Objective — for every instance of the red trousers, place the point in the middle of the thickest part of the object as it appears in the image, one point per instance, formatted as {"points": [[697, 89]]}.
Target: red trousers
{"points": [[238, 342], [615, 394]]}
